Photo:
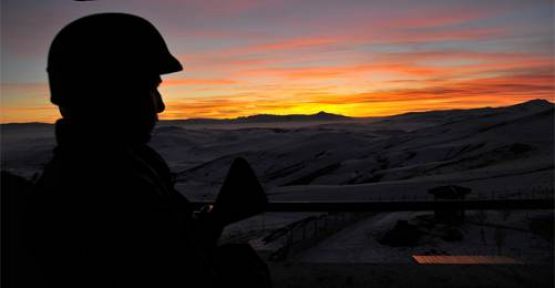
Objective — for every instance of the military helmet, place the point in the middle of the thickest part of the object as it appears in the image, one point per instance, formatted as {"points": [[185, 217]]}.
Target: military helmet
{"points": [[107, 45]]}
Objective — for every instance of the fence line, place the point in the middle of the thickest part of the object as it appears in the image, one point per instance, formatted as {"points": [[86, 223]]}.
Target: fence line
{"points": [[362, 206]]}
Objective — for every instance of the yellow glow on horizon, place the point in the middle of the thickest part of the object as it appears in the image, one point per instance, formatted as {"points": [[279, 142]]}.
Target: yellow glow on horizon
{"points": [[49, 113], [346, 93]]}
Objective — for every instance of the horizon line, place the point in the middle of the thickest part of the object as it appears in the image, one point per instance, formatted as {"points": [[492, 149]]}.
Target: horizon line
{"points": [[313, 114]]}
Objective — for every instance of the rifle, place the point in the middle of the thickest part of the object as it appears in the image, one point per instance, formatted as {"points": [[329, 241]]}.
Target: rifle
{"points": [[241, 195]]}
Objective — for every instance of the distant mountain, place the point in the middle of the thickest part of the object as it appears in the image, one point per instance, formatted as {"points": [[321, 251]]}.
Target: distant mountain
{"points": [[447, 116], [424, 116], [436, 116], [532, 105], [24, 125], [320, 116], [268, 118]]}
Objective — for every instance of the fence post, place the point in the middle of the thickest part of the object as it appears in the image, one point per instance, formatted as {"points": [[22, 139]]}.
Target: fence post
{"points": [[316, 227]]}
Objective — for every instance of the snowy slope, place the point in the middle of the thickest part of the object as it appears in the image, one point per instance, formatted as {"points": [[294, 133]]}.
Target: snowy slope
{"points": [[343, 158], [478, 144]]}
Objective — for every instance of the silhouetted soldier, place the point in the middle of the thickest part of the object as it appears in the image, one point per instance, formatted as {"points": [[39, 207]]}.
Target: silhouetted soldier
{"points": [[105, 213]]}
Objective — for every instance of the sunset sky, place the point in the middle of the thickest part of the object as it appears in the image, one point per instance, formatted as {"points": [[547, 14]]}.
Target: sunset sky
{"points": [[357, 58]]}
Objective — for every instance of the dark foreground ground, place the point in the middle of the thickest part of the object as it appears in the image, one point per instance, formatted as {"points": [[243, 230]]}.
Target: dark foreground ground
{"points": [[410, 275]]}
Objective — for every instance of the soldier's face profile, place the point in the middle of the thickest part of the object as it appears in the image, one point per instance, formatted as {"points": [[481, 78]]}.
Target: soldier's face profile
{"points": [[154, 103], [146, 101], [159, 105]]}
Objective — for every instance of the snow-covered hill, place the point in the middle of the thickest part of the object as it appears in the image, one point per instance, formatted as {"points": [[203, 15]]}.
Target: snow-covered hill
{"points": [[326, 156], [367, 155]]}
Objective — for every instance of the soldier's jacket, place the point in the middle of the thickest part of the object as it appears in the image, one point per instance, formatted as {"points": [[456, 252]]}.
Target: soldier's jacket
{"points": [[107, 215]]}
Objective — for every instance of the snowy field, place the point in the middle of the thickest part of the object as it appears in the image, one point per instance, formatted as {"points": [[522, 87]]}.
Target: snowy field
{"points": [[499, 153]]}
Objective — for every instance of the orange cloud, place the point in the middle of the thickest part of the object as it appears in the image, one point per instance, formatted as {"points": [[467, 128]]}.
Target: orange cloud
{"points": [[46, 113], [195, 81], [448, 94]]}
